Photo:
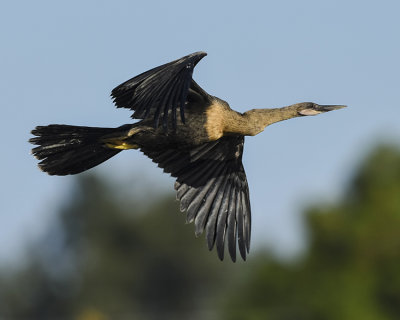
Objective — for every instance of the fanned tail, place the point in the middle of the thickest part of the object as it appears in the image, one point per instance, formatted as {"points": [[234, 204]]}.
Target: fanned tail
{"points": [[65, 149]]}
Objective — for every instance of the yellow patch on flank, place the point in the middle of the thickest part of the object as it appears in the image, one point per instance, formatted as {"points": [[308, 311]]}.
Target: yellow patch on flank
{"points": [[121, 145], [120, 142]]}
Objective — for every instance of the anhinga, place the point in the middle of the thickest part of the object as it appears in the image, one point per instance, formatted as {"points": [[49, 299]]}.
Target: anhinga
{"points": [[192, 135]]}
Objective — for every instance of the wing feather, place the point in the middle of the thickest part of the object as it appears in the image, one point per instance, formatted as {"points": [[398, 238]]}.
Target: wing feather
{"points": [[240, 231], [161, 91], [205, 209], [232, 226], [212, 218], [202, 194], [221, 221], [212, 188]]}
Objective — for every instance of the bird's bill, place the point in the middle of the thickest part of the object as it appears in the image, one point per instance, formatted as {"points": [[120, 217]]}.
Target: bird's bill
{"points": [[326, 108], [312, 109]]}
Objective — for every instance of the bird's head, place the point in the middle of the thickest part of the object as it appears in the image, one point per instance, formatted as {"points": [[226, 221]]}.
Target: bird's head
{"points": [[312, 109]]}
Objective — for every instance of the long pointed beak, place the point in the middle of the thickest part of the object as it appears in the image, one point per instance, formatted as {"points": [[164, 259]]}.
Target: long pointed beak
{"points": [[326, 108]]}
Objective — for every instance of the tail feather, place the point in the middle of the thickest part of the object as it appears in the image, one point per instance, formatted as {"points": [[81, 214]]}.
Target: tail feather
{"points": [[65, 149]]}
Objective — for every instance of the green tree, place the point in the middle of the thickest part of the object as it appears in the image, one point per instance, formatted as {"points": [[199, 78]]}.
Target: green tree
{"points": [[352, 268], [112, 256]]}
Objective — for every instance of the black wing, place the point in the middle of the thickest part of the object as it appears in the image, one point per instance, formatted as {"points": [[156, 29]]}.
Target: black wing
{"points": [[212, 187], [159, 92]]}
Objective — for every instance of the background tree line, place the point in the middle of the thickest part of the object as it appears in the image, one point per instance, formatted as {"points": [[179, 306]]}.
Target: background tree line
{"points": [[114, 256]]}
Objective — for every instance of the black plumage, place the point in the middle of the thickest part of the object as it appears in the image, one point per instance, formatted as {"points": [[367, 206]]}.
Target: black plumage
{"points": [[159, 92], [210, 185], [202, 148]]}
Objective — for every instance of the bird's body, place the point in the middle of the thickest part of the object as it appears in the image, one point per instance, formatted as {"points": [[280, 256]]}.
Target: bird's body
{"points": [[192, 135], [204, 123]]}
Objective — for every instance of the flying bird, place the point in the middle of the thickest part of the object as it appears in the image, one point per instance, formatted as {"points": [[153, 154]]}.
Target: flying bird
{"points": [[194, 136]]}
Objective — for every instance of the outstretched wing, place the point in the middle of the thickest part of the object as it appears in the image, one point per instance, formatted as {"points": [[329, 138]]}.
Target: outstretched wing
{"points": [[212, 188], [159, 92]]}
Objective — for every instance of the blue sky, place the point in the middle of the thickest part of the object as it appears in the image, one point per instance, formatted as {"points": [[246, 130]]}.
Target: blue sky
{"points": [[60, 60]]}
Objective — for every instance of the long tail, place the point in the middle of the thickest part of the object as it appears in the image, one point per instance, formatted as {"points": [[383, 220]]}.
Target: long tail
{"points": [[65, 149]]}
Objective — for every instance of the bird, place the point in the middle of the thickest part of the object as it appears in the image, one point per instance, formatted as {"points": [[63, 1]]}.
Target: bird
{"points": [[192, 135]]}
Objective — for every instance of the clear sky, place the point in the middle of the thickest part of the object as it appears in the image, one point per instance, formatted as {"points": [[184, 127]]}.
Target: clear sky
{"points": [[60, 60]]}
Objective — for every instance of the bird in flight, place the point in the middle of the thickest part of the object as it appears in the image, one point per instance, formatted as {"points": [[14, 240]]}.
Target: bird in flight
{"points": [[190, 134]]}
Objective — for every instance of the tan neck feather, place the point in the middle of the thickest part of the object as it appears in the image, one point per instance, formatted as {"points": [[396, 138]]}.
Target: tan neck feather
{"points": [[258, 119], [222, 120]]}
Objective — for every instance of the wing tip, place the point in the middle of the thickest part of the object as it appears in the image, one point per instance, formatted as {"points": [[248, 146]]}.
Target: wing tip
{"points": [[200, 54], [195, 57]]}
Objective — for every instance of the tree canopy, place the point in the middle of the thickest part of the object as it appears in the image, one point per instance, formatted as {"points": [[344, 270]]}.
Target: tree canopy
{"points": [[111, 255]]}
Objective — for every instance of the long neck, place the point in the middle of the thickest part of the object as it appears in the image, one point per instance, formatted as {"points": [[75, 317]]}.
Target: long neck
{"points": [[254, 121]]}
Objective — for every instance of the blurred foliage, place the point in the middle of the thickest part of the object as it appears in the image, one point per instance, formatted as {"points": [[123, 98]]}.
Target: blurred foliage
{"points": [[352, 268], [112, 256]]}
